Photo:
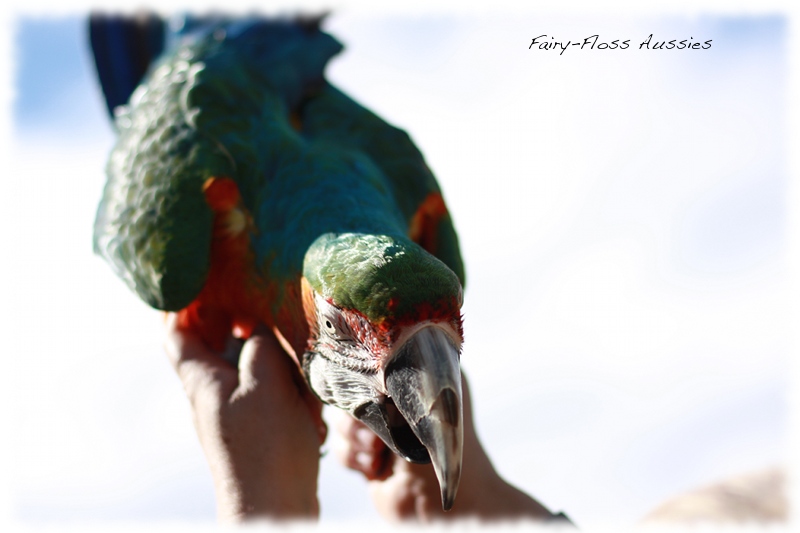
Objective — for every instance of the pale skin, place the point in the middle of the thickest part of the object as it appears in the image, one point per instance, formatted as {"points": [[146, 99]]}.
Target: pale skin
{"points": [[265, 461], [259, 426], [402, 491]]}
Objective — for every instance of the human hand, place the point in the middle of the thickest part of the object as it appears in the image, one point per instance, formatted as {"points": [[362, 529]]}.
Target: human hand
{"points": [[405, 491], [259, 425]]}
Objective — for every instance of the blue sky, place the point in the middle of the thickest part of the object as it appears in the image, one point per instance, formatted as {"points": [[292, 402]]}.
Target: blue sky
{"points": [[56, 88], [623, 222]]}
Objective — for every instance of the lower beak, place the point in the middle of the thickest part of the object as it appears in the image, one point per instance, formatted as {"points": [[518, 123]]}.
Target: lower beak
{"points": [[424, 382]]}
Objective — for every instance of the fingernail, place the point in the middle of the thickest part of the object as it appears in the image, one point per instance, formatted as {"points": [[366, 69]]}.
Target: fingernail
{"points": [[364, 435], [364, 460]]}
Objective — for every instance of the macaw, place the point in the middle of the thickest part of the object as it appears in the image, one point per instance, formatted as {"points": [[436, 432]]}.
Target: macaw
{"points": [[244, 188]]}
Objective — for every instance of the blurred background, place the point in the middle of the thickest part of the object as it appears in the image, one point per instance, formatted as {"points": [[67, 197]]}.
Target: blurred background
{"points": [[623, 219]]}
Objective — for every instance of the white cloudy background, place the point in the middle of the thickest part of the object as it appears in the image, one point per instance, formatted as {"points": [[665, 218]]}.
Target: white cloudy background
{"points": [[623, 219]]}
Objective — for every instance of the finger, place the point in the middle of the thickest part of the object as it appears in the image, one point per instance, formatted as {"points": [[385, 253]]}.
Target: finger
{"points": [[354, 434], [345, 442], [264, 361], [311, 401], [385, 462], [197, 367], [375, 466], [358, 448], [353, 457]]}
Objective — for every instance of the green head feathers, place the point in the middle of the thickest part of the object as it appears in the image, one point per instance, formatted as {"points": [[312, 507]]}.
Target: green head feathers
{"points": [[381, 277]]}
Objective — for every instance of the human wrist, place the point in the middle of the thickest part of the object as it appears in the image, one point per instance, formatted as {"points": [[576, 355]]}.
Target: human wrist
{"points": [[240, 499], [490, 497]]}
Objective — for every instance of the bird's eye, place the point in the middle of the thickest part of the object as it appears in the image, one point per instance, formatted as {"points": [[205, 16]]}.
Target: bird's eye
{"points": [[329, 327]]}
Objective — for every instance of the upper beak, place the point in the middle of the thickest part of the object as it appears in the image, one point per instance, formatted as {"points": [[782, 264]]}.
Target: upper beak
{"points": [[424, 381]]}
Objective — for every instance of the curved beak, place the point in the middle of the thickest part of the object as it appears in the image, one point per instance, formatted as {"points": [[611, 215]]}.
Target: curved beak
{"points": [[423, 380]]}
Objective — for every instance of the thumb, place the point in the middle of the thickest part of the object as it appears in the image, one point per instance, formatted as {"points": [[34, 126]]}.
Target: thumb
{"points": [[265, 365], [263, 360], [196, 365]]}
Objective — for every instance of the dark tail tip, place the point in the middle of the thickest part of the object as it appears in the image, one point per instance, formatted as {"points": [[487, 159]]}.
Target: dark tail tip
{"points": [[123, 49], [311, 23]]}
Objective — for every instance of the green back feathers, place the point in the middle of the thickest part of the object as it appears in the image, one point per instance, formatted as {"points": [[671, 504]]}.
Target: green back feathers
{"points": [[217, 105]]}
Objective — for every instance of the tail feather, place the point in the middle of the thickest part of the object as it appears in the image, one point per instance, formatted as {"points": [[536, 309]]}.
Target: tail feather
{"points": [[123, 49]]}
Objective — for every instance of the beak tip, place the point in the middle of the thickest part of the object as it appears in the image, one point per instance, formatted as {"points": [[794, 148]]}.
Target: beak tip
{"points": [[448, 500]]}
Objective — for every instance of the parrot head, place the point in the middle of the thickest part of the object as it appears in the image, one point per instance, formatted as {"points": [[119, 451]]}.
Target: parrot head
{"points": [[385, 340]]}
